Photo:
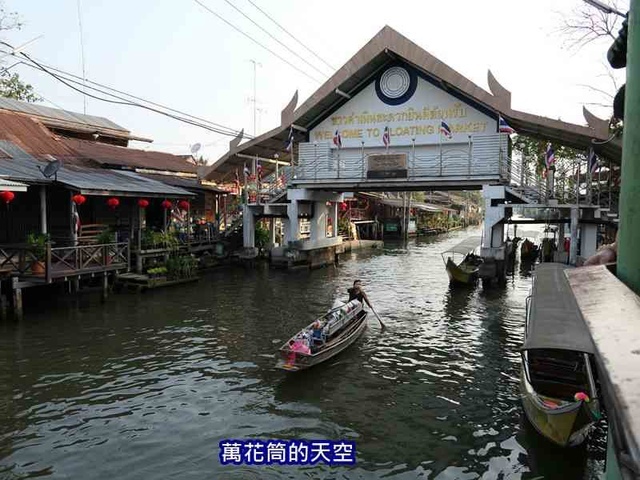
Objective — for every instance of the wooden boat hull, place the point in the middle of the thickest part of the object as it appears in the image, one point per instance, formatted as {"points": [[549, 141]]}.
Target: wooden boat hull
{"points": [[461, 275], [337, 345], [566, 425]]}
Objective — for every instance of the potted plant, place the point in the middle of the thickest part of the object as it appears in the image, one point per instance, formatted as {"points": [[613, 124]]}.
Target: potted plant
{"points": [[104, 238], [38, 246]]}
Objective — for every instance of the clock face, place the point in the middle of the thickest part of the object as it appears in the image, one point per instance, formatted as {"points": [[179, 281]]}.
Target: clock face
{"points": [[396, 85]]}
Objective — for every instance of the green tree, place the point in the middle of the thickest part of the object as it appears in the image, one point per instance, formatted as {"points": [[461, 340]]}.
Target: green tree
{"points": [[11, 86]]}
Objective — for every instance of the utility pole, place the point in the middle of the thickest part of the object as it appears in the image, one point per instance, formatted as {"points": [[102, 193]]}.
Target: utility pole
{"points": [[255, 98]]}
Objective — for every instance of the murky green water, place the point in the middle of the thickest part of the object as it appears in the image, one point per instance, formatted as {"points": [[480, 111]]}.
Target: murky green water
{"points": [[147, 385]]}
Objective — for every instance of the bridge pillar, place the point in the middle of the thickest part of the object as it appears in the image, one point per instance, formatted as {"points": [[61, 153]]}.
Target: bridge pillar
{"points": [[573, 249], [493, 248], [588, 240], [319, 222], [292, 225], [248, 227], [334, 219]]}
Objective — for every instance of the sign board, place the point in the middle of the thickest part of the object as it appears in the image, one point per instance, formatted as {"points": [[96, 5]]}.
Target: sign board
{"points": [[392, 165], [416, 115]]}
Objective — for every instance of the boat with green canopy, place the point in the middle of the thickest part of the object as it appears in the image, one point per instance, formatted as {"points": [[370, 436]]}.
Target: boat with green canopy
{"points": [[461, 262], [557, 383]]}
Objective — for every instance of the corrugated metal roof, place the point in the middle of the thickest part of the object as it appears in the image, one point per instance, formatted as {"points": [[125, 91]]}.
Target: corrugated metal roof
{"points": [[397, 202], [31, 136], [11, 185], [58, 114], [117, 182], [90, 181], [106, 154], [189, 183]]}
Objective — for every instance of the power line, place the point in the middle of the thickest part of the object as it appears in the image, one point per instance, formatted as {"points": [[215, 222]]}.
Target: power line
{"points": [[64, 78], [291, 35], [275, 38], [256, 41], [124, 101]]}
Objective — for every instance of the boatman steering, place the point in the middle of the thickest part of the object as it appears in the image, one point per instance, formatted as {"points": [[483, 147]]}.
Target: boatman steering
{"points": [[356, 293]]}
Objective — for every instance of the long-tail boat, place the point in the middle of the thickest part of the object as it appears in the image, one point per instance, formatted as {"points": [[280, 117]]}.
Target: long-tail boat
{"points": [[557, 382], [327, 336], [460, 261]]}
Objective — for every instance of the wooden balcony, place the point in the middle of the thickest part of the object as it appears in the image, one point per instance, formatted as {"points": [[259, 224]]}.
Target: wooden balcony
{"points": [[62, 263]]}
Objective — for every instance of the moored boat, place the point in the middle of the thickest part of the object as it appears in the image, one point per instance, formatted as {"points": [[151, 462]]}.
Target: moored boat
{"points": [[465, 271], [327, 336], [557, 383], [529, 251]]}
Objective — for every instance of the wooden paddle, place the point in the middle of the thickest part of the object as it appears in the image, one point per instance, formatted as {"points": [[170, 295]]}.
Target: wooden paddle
{"points": [[377, 316]]}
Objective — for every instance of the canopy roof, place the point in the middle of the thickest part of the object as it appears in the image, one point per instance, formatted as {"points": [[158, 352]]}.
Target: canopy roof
{"points": [[390, 47], [469, 244], [555, 321], [397, 202], [12, 186]]}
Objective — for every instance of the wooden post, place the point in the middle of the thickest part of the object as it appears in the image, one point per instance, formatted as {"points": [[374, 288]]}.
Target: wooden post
{"points": [[139, 242], [3, 303], [75, 284], [17, 299], [43, 209], [105, 287]]}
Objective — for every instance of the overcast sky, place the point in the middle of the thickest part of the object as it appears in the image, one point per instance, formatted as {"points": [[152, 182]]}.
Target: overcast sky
{"points": [[176, 53]]}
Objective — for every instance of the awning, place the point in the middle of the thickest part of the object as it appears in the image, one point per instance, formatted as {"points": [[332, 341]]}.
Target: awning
{"points": [[397, 202], [555, 321], [117, 182], [12, 186], [469, 244]]}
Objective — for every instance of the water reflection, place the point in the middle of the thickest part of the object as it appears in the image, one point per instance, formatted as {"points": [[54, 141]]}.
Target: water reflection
{"points": [[145, 386]]}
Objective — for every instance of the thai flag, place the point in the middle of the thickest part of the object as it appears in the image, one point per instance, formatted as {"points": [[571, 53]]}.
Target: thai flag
{"points": [[445, 130], [504, 127], [288, 144], [337, 139], [592, 161], [550, 156], [258, 169], [386, 139], [247, 172]]}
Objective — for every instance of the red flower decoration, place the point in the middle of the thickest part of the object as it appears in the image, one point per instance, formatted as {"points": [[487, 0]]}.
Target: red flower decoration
{"points": [[183, 205], [79, 199], [166, 204], [7, 196], [113, 202], [343, 207], [143, 203]]}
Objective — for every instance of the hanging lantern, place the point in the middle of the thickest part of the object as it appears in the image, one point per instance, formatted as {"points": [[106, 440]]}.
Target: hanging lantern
{"points": [[143, 203], [183, 205], [113, 202], [7, 196], [79, 199], [166, 204], [343, 206]]}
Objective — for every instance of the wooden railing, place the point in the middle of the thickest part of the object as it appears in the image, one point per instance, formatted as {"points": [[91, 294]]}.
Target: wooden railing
{"points": [[65, 261]]}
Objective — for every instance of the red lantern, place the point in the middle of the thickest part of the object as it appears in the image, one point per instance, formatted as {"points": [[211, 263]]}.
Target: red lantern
{"points": [[183, 205], [166, 204], [343, 207], [113, 202], [7, 196], [79, 199], [143, 203]]}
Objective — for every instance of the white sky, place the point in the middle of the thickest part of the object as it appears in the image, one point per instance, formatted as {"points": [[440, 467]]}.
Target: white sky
{"points": [[176, 53]]}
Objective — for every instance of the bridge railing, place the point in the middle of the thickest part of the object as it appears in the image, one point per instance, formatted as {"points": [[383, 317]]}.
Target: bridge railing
{"points": [[453, 162]]}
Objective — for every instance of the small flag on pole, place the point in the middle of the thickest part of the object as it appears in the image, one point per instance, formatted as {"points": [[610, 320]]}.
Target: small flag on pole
{"points": [[288, 144], [337, 139], [247, 172], [504, 127], [259, 170], [445, 129], [386, 139], [550, 156], [592, 161]]}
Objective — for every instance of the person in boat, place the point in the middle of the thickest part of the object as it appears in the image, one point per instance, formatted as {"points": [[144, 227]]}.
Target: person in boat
{"points": [[356, 293]]}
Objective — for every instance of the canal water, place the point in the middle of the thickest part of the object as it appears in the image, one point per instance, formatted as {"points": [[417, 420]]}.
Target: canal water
{"points": [[147, 385]]}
